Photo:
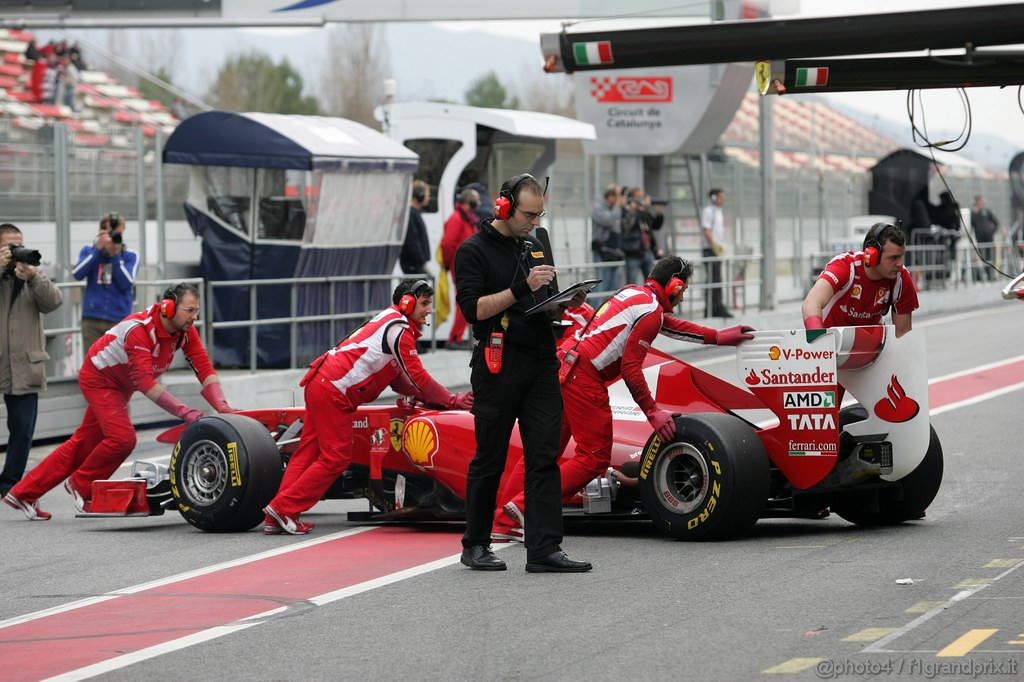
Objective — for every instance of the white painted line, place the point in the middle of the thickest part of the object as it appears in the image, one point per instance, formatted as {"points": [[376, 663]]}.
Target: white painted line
{"points": [[180, 577], [976, 399], [112, 664], [975, 370], [152, 652], [879, 646]]}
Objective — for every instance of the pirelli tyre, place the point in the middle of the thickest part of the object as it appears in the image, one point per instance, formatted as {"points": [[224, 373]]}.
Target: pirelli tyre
{"points": [[224, 469], [916, 492], [710, 482]]}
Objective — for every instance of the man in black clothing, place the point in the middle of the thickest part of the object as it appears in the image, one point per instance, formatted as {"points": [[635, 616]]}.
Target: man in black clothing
{"points": [[415, 253], [500, 275], [985, 225]]}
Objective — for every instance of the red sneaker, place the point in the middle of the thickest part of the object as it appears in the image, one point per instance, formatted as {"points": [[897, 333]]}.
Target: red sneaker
{"points": [[506, 534], [285, 523], [513, 511], [29, 509], [76, 497]]}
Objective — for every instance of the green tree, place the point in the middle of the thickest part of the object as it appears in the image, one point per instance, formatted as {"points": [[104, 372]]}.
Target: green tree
{"points": [[253, 82], [150, 90], [487, 91]]}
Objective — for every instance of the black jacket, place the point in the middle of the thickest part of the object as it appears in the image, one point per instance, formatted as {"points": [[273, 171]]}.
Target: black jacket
{"points": [[489, 262], [415, 252]]}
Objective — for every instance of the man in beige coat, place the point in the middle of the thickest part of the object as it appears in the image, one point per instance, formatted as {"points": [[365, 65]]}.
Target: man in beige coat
{"points": [[26, 294]]}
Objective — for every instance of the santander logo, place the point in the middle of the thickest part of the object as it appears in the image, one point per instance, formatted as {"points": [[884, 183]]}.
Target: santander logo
{"points": [[896, 407], [752, 379]]}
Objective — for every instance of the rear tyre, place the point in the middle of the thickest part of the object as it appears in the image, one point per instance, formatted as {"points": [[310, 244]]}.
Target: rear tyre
{"points": [[710, 482], [224, 470], [919, 489]]}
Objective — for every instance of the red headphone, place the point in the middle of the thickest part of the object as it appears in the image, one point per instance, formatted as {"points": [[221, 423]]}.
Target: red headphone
{"points": [[169, 302], [505, 204], [674, 286], [407, 303], [873, 244]]}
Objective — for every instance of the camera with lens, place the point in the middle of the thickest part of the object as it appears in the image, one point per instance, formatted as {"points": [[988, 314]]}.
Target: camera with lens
{"points": [[22, 254], [115, 221]]}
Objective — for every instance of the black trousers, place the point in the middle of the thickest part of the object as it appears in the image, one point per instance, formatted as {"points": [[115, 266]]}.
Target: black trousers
{"points": [[526, 390], [713, 306], [21, 425]]}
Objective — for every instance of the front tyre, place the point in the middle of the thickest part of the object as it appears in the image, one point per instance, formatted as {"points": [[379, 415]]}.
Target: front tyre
{"points": [[224, 470], [710, 482]]}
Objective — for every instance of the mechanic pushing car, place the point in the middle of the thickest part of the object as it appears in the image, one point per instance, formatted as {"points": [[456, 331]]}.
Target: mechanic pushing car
{"points": [[859, 288], [612, 344], [130, 357], [380, 353]]}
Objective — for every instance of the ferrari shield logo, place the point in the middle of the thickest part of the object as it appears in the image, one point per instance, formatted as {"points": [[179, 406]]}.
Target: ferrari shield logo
{"points": [[397, 426]]}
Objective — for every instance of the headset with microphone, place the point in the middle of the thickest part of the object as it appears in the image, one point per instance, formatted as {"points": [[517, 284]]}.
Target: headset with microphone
{"points": [[406, 303], [505, 204], [873, 244]]}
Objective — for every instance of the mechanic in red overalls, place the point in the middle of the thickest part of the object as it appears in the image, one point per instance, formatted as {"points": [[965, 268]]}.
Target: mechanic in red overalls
{"points": [[130, 357], [380, 353], [613, 345], [858, 288]]}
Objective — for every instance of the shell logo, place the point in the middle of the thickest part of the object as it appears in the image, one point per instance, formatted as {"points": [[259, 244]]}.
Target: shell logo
{"points": [[420, 442], [774, 353]]}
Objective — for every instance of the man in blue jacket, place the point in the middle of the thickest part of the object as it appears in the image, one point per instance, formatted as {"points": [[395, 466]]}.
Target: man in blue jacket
{"points": [[108, 268]]}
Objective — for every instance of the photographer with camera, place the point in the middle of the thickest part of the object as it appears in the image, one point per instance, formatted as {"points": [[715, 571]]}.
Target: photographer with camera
{"points": [[606, 235], [108, 268], [26, 294]]}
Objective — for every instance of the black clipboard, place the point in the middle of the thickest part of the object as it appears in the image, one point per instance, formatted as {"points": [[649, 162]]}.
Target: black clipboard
{"points": [[564, 296]]}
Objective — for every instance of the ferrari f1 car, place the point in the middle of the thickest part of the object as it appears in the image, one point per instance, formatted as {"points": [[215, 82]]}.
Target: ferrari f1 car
{"points": [[776, 443]]}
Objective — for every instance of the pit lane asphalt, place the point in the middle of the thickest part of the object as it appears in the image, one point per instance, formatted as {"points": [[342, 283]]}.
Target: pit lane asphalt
{"points": [[791, 592]]}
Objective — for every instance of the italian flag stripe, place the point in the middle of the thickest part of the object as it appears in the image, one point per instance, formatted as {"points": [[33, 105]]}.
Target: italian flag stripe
{"points": [[811, 78], [592, 53]]}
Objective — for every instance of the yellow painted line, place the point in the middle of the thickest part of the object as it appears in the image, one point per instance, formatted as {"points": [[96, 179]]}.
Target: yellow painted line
{"points": [[972, 582], [869, 635], [793, 665], [1002, 563], [966, 643], [1015, 641], [924, 606]]}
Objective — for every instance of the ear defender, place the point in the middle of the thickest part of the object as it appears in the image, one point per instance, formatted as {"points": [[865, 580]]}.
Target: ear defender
{"points": [[872, 245], [167, 307], [675, 287], [505, 204], [407, 304]]}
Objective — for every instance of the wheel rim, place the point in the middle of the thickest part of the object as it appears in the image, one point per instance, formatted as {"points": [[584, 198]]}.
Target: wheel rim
{"points": [[204, 473], [681, 477]]}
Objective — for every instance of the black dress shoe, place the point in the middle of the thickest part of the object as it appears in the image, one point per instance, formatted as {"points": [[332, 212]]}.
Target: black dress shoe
{"points": [[557, 562], [481, 558]]}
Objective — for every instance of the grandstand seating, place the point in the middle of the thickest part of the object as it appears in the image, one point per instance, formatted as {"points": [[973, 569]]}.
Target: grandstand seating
{"points": [[102, 102]]}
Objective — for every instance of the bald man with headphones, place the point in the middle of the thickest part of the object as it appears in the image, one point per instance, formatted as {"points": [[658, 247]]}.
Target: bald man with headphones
{"points": [[613, 344], [130, 357], [380, 353]]}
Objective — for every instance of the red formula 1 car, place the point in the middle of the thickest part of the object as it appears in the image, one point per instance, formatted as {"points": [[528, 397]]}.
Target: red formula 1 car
{"points": [[774, 444]]}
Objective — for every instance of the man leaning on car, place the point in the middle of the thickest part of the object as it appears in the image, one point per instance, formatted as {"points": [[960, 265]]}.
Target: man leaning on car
{"points": [[380, 353]]}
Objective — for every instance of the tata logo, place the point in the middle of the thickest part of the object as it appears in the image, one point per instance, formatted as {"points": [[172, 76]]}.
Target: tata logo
{"points": [[606, 89], [815, 400], [813, 422]]}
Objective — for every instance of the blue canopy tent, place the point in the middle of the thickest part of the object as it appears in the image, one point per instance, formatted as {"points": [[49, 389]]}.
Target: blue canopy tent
{"points": [[276, 196]]}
